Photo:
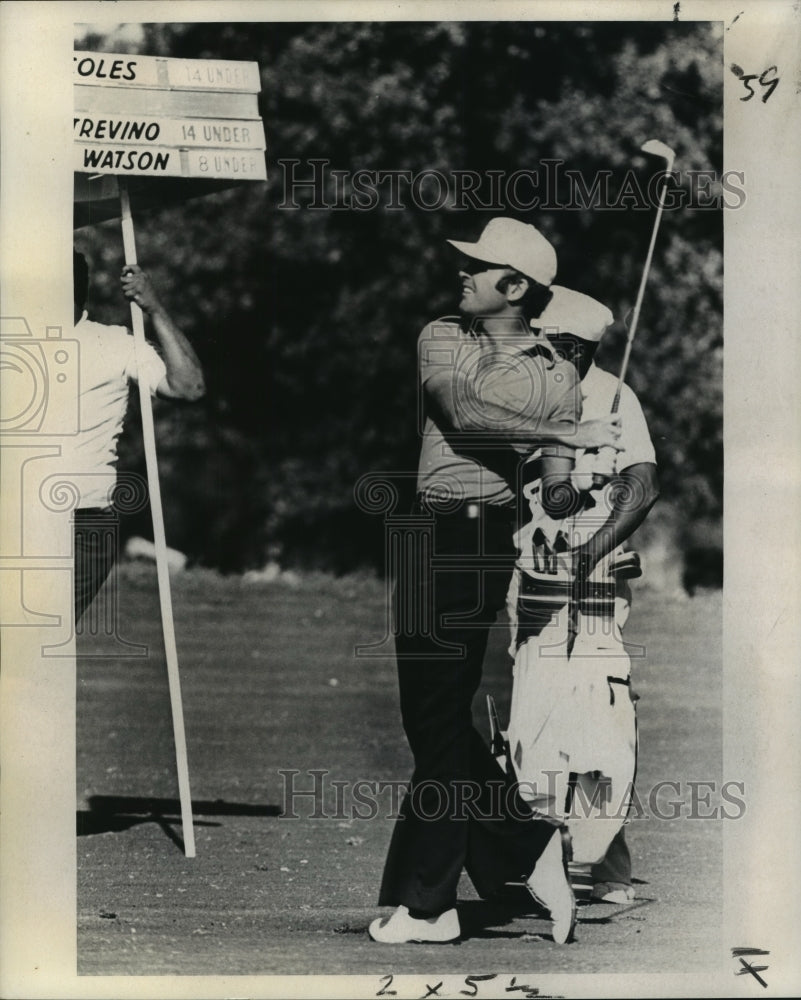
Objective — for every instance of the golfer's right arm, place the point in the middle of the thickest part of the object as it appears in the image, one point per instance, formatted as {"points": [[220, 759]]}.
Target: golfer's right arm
{"points": [[455, 406], [513, 413]]}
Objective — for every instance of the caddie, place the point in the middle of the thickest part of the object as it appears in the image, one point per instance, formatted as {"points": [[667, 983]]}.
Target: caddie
{"points": [[108, 364], [491, 389], [572, 732]]}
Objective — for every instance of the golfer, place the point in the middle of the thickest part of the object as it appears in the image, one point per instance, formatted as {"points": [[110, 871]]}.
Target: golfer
{"points": [[491, 391], [108, 364]]}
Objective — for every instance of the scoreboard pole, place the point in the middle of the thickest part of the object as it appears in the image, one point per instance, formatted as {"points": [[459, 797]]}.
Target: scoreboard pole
{"points": [[159, 537]]}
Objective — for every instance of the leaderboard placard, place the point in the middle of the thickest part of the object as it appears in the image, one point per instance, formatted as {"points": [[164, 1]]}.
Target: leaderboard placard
{"points": [[151, 116], [103, 69]]}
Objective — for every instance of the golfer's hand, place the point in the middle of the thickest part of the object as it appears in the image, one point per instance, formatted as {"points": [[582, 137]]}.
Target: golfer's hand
{"points": [[137, 287], [603, 433]]}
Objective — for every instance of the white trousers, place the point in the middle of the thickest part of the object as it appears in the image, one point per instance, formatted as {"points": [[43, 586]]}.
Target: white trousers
{"points": [[572, 728]]}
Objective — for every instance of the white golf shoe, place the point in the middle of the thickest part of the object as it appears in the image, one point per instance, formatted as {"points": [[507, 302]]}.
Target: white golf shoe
{"points": [[549, 884], [401, 928]]}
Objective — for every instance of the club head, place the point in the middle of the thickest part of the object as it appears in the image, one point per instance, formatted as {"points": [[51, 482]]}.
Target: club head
{"points": [[657, 148]]}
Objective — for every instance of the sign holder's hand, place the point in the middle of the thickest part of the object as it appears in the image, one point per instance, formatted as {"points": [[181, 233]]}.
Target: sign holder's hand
{"points": [[137, 287]]}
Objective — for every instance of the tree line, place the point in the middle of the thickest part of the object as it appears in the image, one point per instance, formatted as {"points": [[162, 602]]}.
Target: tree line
{"points": [[305, 300]]}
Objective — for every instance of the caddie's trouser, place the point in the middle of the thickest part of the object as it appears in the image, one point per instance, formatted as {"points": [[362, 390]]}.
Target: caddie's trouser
{"points": [[459, 812], [616, 863], [95, 540]]}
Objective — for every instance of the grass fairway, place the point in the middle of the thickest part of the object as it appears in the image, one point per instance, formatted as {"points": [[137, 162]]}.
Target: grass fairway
{"points": [[271, 684]]}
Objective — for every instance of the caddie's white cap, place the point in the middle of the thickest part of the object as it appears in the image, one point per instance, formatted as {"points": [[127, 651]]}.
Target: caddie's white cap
{"points": [[576, 313], [510, 243]]}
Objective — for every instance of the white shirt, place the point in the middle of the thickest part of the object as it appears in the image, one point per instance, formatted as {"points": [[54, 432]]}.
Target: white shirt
{"points": [[598, 392], [598, 389], [107, 362]]}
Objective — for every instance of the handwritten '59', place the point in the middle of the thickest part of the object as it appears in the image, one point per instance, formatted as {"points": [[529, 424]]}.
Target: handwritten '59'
{"points": [[771, 83]]}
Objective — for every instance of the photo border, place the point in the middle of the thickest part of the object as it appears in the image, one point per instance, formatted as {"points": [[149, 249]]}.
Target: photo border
{"points": [[761, 501]]}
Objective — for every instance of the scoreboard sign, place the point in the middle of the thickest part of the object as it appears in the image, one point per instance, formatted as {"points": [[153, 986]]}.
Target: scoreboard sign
{"points": [[154, 117], [169, 131], [104, 69]]}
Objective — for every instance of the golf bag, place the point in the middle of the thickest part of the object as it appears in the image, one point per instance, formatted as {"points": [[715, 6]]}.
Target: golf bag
{"points": [[571, 743]]}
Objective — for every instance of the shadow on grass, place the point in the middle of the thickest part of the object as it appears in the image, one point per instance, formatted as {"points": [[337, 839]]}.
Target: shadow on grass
{"points": [[491, 919], [478, 918], [116, 813]]}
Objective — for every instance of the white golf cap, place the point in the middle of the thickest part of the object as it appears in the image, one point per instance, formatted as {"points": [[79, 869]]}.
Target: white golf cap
{"points": [[576, 313], [509, 243]]}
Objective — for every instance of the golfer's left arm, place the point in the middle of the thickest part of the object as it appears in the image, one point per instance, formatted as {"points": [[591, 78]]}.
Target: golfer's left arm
{"points": [[634, 491], [184, 378]]}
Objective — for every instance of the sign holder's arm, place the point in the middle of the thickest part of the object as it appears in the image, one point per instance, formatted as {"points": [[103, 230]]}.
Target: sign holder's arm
{"points": [[165, 598]]}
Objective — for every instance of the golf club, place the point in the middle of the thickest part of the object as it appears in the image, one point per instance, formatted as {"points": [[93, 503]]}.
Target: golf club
{"points": [[655, 148]]}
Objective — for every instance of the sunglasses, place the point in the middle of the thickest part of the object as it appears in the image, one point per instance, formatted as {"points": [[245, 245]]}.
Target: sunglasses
{"points": [[472, 266]]}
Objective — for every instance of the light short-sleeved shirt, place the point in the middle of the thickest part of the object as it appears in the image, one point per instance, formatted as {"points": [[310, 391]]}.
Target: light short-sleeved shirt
{"points": [[522, 373], [598, 392], [107, 363]]}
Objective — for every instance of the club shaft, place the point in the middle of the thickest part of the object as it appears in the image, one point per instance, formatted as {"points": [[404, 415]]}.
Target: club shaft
{"points": [[606, 456], [640, 293]]}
